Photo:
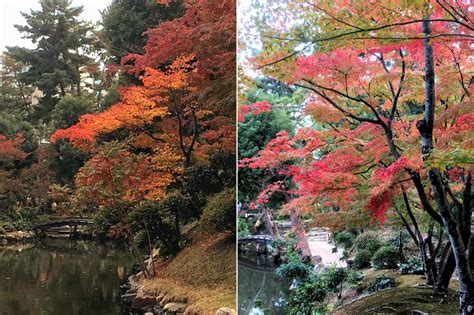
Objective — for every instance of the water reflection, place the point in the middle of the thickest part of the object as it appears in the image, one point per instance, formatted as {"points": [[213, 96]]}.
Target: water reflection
{"points": [[260, 290], [62, 277]]}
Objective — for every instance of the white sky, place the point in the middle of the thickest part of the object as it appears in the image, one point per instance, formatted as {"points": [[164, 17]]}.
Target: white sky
{"points": [[10, 15]]}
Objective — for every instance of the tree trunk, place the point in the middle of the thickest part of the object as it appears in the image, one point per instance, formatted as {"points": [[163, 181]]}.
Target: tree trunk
{"points": [[456, 233]]}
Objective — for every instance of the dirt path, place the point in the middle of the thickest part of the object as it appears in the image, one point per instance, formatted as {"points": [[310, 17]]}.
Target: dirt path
{"points": [[318, 245]]}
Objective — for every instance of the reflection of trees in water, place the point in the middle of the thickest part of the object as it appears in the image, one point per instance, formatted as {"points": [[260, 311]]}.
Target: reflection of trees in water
{"points": [[258, 281], [60, 277]]}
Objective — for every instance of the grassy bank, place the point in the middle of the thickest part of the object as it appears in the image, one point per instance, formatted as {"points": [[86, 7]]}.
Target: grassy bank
{"points": [[407, 297], [204, 272]]}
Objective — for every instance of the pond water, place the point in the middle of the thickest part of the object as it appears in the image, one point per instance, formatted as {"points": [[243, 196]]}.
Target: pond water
{"points": [[260, 290], [62, 277]]}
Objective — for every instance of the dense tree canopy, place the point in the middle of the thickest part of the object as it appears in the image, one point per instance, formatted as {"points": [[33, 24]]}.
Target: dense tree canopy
{"points": [[390, 82]]}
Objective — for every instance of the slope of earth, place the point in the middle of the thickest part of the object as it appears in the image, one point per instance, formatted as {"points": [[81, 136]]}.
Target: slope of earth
{"points": [[203, 273]]}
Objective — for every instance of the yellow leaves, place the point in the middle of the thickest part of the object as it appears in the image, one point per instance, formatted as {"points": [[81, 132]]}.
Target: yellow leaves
{"points": [[323, 112], [174, 78]]}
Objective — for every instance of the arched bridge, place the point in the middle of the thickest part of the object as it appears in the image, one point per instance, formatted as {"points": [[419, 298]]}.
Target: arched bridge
{"points": [[73, 222], [260, 239]]}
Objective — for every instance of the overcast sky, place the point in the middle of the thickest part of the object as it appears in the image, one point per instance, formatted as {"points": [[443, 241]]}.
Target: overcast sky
{"points": [[10, 15]]}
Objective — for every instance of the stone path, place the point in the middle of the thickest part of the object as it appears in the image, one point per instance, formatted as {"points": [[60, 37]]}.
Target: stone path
{"points": [[318, 245]]}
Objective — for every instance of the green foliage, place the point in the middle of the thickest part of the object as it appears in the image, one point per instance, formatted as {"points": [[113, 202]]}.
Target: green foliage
{"points": [[66, 162], [333, 277], [125, 21], [380, 283], [68, 110], [61, 38], [293, 270], [355, 280], [256, 131], [107, 217], [157, 222], [362, 259], [344, 239], [307, 298], [219, 213], [386, 257], [368, 241], [242, 228], [206, 179], [412, 267], [22, 219]]}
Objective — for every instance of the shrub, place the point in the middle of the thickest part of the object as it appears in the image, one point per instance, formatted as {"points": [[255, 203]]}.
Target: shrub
{"points": [[242, 228], [412, 267], [368, 241], [362, 259], [380, 283], [385, 257], [333, 277], [26, 218], [155, 220], [293, 270], [355, 280], [344, 239], [8, 227], [219, 213], [307, 298]]}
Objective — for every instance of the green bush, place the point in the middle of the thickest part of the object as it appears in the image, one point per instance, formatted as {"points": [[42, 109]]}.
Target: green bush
{"points": [[355, 280], [333, 277], [307, 298], [243, 228], [26, 218], [368, 241], [412, 267], [380, 283], [344, 239], [362, 259], [385, 257], [159, 222], [8, 227], [293, 270], [219, 213]]}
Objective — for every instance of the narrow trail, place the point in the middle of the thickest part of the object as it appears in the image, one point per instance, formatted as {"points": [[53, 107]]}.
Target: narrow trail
{"points": [[318, 245]]}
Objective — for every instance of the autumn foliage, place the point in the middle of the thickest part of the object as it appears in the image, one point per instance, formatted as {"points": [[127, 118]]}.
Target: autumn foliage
{"points": [[366, 87], [178, 116]]}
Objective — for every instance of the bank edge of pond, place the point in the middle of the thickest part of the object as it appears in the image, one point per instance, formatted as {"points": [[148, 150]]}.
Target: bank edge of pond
{"points": [[17, 237], [199, 280], [409, 296]]}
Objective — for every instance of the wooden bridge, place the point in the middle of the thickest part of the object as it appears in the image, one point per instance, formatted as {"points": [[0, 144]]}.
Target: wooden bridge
{"points": [[73, 222], [260, 239]]}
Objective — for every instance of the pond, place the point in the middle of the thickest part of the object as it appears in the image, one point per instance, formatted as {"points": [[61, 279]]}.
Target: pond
{"points": [[62, 277], [260, 290]]}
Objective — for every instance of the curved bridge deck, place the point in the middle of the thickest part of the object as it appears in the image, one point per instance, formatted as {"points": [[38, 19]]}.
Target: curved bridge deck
{"points": [[63, 222], [256, 239]]}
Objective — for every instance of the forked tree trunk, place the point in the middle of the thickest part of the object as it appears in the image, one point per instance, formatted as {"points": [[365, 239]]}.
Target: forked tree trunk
{"points": [[457, 232]]}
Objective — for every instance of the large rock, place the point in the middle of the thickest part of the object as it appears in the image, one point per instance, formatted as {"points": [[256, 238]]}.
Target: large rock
{"points": [[174, 307], [225, 311], [143, 302]]}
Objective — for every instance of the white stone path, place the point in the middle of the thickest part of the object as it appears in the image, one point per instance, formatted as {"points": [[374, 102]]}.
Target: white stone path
{"points": [[319, 246]]}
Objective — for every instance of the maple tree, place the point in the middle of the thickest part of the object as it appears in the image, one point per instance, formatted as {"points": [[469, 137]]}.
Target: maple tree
{"points": [[178, 116], [390, 82]]}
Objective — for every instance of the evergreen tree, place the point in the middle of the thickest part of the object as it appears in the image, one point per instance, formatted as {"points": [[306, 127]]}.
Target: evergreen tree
{"points": [[63, 43], [125, 21]]}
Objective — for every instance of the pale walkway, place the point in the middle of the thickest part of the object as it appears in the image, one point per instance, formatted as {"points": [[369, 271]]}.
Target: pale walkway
{"points": [[319, 246]]}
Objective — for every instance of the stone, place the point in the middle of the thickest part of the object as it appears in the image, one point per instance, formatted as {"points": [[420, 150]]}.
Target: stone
{"points": [[174, 307], [225, 311], [142, 302]]}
